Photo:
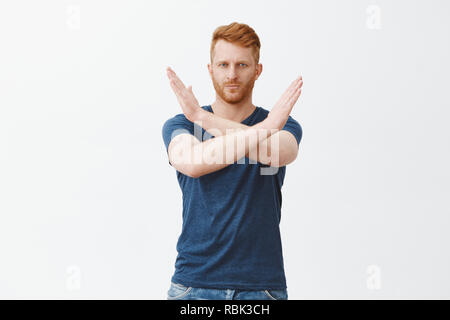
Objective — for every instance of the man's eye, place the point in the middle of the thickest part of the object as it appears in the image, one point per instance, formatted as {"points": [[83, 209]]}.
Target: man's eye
{"points": [[225, 63]]}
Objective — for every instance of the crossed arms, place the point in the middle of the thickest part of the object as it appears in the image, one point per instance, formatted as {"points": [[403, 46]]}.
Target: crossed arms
{"points": [[264, 142]]}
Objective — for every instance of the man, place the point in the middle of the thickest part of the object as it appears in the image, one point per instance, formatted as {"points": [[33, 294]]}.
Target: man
{"points": [[230, 244]]}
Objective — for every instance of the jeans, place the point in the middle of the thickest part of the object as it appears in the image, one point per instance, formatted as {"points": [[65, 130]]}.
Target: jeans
{"points": [[180, 292]]}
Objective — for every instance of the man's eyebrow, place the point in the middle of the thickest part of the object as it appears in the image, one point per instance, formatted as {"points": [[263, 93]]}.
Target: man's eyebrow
{"points": [[240, 61]]}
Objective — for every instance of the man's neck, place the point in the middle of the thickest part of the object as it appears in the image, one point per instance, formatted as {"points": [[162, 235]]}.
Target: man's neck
{"points": [[235, 112]]}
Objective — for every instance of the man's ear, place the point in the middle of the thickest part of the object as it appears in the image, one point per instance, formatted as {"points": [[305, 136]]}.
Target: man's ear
{"points": [[259, 68]]}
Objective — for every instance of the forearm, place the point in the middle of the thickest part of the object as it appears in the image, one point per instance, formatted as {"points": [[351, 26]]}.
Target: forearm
{"points": [[223, 150], [218, 126]]}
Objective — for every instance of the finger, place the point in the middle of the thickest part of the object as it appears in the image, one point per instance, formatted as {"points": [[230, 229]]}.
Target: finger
{"points": [[169, 72], [297, 86], [175, 89], [179, 98], [179, 93], [293, 85], [296, 92], [291, 95], [298, 83], [289, 91], [180, 85], [176, 79], [294, 98]]}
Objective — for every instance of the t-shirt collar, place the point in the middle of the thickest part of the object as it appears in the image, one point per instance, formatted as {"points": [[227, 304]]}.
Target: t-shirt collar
{"points": [[245, 121]]}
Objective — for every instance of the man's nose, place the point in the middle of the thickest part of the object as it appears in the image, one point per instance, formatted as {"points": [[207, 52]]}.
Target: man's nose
{"points": [[232, 74]]}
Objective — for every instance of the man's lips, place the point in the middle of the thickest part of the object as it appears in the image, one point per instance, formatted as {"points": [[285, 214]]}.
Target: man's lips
{"points": [[232, 86]]}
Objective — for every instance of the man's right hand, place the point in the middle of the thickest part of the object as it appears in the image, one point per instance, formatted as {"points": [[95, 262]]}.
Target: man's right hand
{"points": [[186, 98], [279, 114]]}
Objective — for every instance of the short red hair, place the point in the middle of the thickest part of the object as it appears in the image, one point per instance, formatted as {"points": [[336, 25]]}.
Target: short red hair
{"points": [[237, 33]]}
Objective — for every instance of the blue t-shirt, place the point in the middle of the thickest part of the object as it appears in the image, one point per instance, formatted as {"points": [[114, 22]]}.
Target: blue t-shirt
{"points": [[230, 236]]}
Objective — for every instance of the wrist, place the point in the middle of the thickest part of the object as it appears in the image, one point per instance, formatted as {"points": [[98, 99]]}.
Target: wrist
{"points": [[274, 122], [277, 120], [198, 115]]}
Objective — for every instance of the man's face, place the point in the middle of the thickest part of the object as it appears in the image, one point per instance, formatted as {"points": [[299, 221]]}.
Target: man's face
{"points": [[233, 65]]}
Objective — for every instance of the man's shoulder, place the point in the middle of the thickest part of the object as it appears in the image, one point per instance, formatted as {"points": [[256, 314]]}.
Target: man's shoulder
{"points": [[176, 120]]}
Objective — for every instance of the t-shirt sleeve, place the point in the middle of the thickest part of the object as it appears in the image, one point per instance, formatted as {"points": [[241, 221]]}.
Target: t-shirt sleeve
{"points": [[294, 127], [174, 126]]}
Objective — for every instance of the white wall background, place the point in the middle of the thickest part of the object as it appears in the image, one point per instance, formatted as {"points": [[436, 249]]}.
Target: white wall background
{"points": [[90, 208]]}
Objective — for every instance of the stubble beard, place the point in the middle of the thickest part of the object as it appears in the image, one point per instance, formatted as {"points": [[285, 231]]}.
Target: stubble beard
{"points": [[233, 96]]}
